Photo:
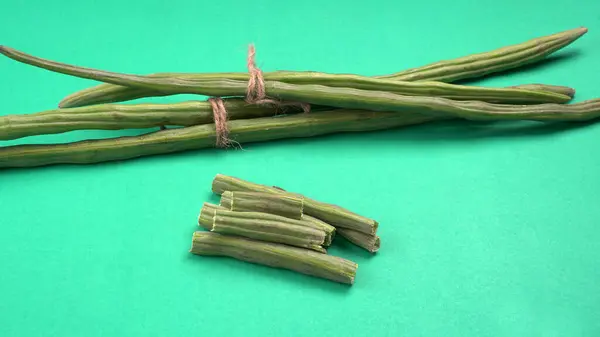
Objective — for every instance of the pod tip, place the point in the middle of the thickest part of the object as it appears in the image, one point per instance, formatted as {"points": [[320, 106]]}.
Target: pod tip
{"points": [[581, 31]]}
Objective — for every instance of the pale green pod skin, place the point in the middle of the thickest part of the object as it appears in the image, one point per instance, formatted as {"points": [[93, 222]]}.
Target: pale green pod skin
{"points": [[254, 225], [204, 136], [369, 242], [284, 205], [275, 255], [207, 213], [218, 85], [226, 84], [482, 64], [316, 223], [111, 93], [241, 131], [437, 106], [334, 215], [127, 116], [559, 89], [471, 66], [348, 97]]}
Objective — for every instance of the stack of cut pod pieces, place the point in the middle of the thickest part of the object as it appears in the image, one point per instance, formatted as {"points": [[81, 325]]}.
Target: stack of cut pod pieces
{"points": [[270, 226]]}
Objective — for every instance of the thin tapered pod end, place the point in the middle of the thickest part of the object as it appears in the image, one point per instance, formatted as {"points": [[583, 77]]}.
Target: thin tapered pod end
{"points": [[4, 50], [578, 32], [11, 53], [568, 37], [557, 89], [571, 34]]}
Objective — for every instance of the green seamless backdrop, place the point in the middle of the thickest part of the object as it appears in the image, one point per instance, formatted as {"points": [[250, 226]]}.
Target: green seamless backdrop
{"points": [[487, 230]]}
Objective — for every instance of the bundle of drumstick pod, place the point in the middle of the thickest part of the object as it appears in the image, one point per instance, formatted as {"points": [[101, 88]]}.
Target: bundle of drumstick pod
{"points": [[257, 106]]}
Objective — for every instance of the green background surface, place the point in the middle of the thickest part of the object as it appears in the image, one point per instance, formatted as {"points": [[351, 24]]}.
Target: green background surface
{"points": [[486, 230]]}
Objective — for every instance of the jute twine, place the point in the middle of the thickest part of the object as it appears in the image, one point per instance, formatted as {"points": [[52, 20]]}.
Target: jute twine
{"points": [[255, 94]]}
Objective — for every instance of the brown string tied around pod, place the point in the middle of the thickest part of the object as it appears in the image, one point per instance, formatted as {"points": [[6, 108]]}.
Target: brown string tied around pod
{"points": [[256, 92], [256, 83], [220, 118]]}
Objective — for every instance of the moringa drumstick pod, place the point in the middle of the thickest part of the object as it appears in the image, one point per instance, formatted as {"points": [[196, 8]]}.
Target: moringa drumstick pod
{"points": [[243, 131], [207, 213], [127, 116], [137, 116], [204, 136], [471, 66], [403, 101], [259, 226], [243, 201], [481, 64], [275, 255], [229, 85]]}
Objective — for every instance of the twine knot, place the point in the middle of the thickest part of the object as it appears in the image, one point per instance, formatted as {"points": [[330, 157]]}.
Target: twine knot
{"points": [[255, 94], [220, 118]]}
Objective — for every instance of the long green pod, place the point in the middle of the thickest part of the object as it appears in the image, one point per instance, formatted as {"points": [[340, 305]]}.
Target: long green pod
{"points": [[470, 110], [524, 94], [243, 131], [204, 136], [275, 255], [371, 243], [512, 95], [347, 97], [207, 213], [470, 66], [114, 116], [111, 93], [218, 85], [257, 226], [127, 116], [482, 64], [331, 214], [288, 206]]}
